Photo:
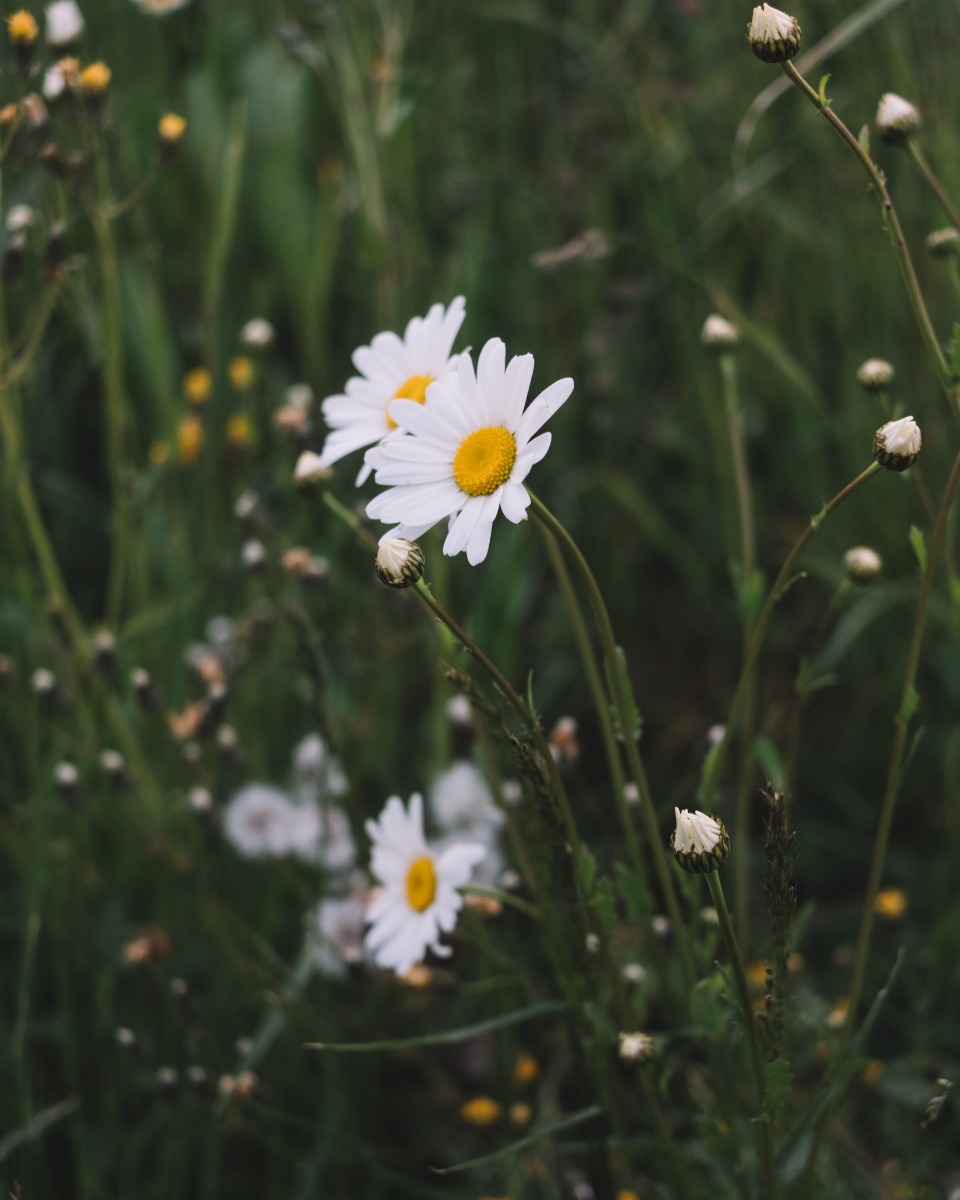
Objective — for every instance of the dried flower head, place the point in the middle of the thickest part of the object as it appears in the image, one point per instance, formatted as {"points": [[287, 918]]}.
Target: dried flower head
{"points": [[897, 119], [875, 374], [699, 842], [399, 563], [862, 564], [897, 444], [774, 36]]}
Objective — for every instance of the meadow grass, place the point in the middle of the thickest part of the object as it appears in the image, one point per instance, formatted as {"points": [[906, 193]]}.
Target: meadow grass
{"points": [[591, 177]]}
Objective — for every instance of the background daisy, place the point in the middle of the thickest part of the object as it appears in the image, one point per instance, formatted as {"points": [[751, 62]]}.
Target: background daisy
{"points": [[390, 368], [465, 453], [418, 899]]}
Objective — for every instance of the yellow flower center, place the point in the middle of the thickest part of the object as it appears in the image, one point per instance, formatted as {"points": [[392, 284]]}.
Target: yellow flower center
{"points": [[484, 460], [414, 388], [421, 884]]}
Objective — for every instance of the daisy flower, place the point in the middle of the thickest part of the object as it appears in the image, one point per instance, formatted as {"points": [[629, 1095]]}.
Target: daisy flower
{"points": [[418, 899], [260, 822], [390, 368], [465, 453]]}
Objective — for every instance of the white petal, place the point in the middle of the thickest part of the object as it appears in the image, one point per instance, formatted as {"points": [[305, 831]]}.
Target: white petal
{"points": [[543, 408], [514, 502]]}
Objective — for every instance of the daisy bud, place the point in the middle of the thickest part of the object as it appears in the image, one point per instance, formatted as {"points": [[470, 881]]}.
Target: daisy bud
{"points": [[699, 842], [897, 119], [897, 444], [257, 335], [636, 1047], [105, 651], [170, 130], [719, 334], [862, 564], [875, 374], [66, 779], [310, 471], [113, 765], [22, 30], [64, 23], [253, 555], [20, 218], [94, 81], [774, 36], [942, 243], [143, 686], [399, 562]]}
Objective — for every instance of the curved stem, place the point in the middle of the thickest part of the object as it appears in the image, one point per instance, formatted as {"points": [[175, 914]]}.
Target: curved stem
{"points": [[933, 182], [717, 757], [623, 706]]}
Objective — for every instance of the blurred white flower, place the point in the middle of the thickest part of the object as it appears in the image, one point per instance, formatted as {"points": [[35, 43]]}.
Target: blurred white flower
{"points": [[64, 23], [259, 821], [419, 898], [257, 334], [322, 836], [160, 8], [54, 82], [465, 452], [897, 119], [461, 802], [316, 773], [20, 217], [390, 368], [336, 935]]}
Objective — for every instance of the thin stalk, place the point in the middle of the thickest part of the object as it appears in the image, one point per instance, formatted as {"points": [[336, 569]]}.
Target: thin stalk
{"points": [[765, 1132], [891, 223], [933, 182], [597, 692], [115, 407], [908, 702], [717, 757], [741, 474], [624, 711]]}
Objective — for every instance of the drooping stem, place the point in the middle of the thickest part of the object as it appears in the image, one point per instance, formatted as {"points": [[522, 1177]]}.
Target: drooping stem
{"points": [[625, 715], [716, 759]]}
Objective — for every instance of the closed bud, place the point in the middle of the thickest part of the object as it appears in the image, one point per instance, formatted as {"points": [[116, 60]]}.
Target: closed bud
{"points": [[862, 564], [719, 334], [943, 243], [875, 374], [896, 445], [636, 1047], [897, 119], [774, 36], [399, 563], [310, 471], [699, 842]]}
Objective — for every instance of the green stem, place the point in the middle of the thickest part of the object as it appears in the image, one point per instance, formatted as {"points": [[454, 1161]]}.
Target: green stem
{"points": [[753, 1037], [717, 757], [892, 225], [908, 702], [625, 714], [933, 182]]}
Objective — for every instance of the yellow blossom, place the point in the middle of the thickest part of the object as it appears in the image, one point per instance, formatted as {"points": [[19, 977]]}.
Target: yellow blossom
{"points": [[22, 28], [890, 903], [189, 440], [757, 974], [170, 128], [481, 1111], [239, 430], [198, 385], [95, 79], [240, 370], [525, 1069], [838, 1014], [872, 1072]]}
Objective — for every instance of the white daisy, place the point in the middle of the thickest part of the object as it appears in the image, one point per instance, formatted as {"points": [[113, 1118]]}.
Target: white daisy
{"points": [[419, 898], [465, 453], [390, 368], [460, 801], [322, 837], [317, 774]]}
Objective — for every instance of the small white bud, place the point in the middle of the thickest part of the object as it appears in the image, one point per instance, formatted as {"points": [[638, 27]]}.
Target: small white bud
{"points": [[253, 555], [636, 1047], [875, 374], [942, 243], [719, 334], [897, 119], [699, 842], [399, 562], [246, 504], [897, 444], [66, 777], [862, 564], [20, 217], [43, 682], [310, 471], [299, 395], [257, 334], [774, 36]]}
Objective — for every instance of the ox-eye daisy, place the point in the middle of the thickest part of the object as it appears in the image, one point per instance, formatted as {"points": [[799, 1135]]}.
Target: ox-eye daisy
{"points": [[419, 899], [390, 368], [466, 452]]}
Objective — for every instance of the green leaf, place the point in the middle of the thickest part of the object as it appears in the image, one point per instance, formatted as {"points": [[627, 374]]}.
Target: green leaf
{"points": [[910, 704], [919, 544], [586, 871], [634, 893], [708, 1006], [577, 1118], [779, 1080], [447, 1036], [600, 1021], [955, 352]]}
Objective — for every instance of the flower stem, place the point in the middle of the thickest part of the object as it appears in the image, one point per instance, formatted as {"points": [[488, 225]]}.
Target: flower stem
{"points": [[908, 703], [625, 715], [717, 757], [933, 182], [750, 1024]]}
